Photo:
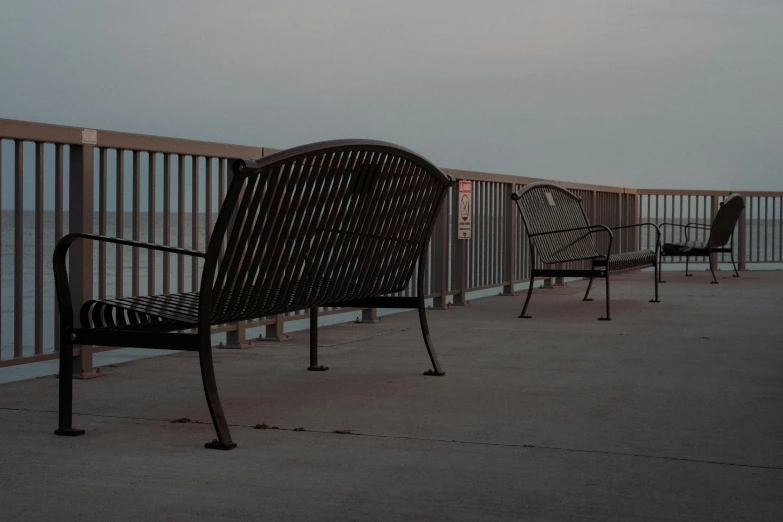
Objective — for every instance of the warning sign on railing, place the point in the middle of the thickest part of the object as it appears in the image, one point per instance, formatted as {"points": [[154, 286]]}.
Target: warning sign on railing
{"points": [[465, 209]]}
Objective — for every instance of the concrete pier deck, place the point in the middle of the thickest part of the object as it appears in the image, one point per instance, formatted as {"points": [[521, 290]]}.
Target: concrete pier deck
{"points": [[671, 411]]}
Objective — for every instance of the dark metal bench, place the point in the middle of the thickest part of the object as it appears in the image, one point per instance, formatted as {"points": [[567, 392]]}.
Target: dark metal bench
{"points": [[719, 240], [339, 224], [559, 232]]}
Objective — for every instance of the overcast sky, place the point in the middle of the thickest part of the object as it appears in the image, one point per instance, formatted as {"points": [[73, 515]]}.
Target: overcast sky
{"points": [[637, 93]]}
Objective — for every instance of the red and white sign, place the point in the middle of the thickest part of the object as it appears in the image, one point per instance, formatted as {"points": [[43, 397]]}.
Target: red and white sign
{"points": [[465, 209]]}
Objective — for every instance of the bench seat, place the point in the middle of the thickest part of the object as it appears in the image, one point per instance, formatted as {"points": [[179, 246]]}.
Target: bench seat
{"points": [[627, 260]]}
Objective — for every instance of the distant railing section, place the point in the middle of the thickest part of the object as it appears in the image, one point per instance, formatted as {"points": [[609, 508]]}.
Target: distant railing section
{"points": [[168, 191], [758, 237]]}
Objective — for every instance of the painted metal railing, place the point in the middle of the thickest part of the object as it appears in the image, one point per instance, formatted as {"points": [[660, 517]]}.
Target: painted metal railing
{"points": [[758, 238], [168, 191]]}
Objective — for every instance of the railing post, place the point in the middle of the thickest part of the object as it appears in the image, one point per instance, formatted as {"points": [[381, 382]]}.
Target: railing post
{"points": [[369, 315], [276, 330], [440, 259], [237, 338], [459, 255], [510, 240], [80, 216]]}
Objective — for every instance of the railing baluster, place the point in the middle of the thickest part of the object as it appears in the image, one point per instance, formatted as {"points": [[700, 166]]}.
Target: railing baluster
{"points": [[749, 226], [58, 226], [759, 230], [181, 223], [208, 202], [166, 222], [1, 242], [120, 222], [222, 193], [780, 229], [39, 260], [774, 223], [102, 174], [194, 222], [136, 219], [151, 214], [18, 248]]}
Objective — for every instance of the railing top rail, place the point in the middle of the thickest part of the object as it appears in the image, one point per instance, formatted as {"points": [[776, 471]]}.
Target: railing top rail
{"points": [[524, 180], [61, 134], [681, 192]]}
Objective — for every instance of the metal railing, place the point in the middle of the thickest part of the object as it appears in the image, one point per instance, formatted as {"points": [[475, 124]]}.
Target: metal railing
{"points": [[758, 237], [168, 191]]}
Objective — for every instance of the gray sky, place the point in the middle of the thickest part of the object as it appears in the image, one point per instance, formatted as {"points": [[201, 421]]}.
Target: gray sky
{"points": [[637, 93]]}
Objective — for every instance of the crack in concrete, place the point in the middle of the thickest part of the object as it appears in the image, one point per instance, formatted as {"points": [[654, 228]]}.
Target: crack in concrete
{"points": [[431, 439]]}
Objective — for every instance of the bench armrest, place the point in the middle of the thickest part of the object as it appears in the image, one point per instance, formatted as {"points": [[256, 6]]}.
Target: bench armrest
{"points": [[65, 242], [61, 285], [686, 227], [648, 224], [588, 229]]}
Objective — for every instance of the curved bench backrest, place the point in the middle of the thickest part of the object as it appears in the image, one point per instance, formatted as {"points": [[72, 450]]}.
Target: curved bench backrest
{"points": [[725, 220], [319, 224], [545, 207]]}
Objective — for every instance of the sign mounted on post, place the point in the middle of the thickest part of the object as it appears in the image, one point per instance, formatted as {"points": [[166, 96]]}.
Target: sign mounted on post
{"points": [[465, 209]]}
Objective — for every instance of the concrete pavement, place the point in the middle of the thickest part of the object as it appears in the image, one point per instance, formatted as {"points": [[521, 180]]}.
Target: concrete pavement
{"points": [[672, 411]]}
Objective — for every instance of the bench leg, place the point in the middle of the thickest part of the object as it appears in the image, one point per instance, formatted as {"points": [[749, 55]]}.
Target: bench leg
{"points": [[712, 269], [686, 267], [608, 312], [314, 366], [425, 331], [657, 274], [736, 274], [223, 441], [587, 293], [65, 420], [527, 299], [530, 287]]}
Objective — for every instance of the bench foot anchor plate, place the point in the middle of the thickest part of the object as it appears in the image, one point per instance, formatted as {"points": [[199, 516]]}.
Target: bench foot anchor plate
{"points": [[525, 316], [215, 444], [604, 318], [435, 373], [655, 300], [318, 368], [588, 299]]}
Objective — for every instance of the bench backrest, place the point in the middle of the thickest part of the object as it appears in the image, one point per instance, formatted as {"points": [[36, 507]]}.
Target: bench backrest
{"points": [[545, 208], [319, 224], [725, 220]]}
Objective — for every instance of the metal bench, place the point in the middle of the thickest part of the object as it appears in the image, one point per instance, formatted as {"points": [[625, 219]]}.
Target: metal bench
{"points": [[719, 240], [339, 224], [559, 232]]}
